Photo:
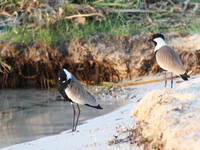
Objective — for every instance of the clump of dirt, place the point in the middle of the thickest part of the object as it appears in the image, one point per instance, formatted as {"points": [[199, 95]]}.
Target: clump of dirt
{"points": [[136, 138], [92, 61], [133, 135]]}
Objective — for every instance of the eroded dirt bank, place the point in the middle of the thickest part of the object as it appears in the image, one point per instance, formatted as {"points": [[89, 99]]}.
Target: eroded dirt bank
{"points": [[93, 61]]}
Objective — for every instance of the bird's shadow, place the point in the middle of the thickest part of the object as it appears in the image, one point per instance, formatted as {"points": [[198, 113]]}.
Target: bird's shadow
{"points": [[71, 131]]}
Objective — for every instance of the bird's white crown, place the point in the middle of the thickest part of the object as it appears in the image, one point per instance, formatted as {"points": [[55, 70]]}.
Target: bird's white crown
{"points": [[160, 42], [68, 74]]}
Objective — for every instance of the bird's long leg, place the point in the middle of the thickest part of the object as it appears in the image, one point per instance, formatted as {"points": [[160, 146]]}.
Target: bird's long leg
{"points": [[165, 78], [73, 119], [171, 80], [79, 111]]}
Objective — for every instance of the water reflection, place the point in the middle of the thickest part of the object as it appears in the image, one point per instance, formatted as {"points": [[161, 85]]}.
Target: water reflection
{"points": [[30, 114]]}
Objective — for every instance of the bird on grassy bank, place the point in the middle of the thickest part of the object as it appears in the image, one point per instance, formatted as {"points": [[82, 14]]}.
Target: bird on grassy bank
{"points": [[74, 92], [167, 58]]}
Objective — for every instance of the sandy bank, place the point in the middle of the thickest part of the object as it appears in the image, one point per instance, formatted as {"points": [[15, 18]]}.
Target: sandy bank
{"points": [[171, 117]]}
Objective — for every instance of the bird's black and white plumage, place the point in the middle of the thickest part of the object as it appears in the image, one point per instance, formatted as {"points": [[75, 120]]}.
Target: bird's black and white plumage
{"points": [[74, 92], [167, 58]]}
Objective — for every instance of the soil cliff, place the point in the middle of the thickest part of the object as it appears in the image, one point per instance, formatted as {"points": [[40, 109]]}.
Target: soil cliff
{"points": [[92, 61]]}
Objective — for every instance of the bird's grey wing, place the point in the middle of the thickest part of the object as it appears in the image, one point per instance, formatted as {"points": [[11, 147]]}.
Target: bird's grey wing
{"points": [[169, 60], [78, 94]]}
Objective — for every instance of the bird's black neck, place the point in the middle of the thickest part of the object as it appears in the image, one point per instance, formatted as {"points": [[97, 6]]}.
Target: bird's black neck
{"points": [[154, 43], [155, 52], [68, 81]]}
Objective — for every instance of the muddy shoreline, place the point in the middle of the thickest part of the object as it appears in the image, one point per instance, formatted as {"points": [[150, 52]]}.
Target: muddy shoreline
{"points": [[92, 61]]}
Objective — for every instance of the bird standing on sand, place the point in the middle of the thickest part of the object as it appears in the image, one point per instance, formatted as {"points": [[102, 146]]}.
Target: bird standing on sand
{"points": [[167, 58], [73, 91]]}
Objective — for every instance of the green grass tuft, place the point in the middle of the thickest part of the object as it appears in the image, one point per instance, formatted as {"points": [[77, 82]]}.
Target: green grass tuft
{"points": [[110, 27], [194, 27], [68, 30]]}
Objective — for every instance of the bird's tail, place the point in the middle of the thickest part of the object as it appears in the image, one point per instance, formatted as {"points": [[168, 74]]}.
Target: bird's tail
{"points": [[97, 107], [184, 76]]}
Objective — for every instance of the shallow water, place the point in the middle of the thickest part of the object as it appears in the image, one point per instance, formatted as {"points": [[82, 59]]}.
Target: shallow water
{"points": [[29, 114]]}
